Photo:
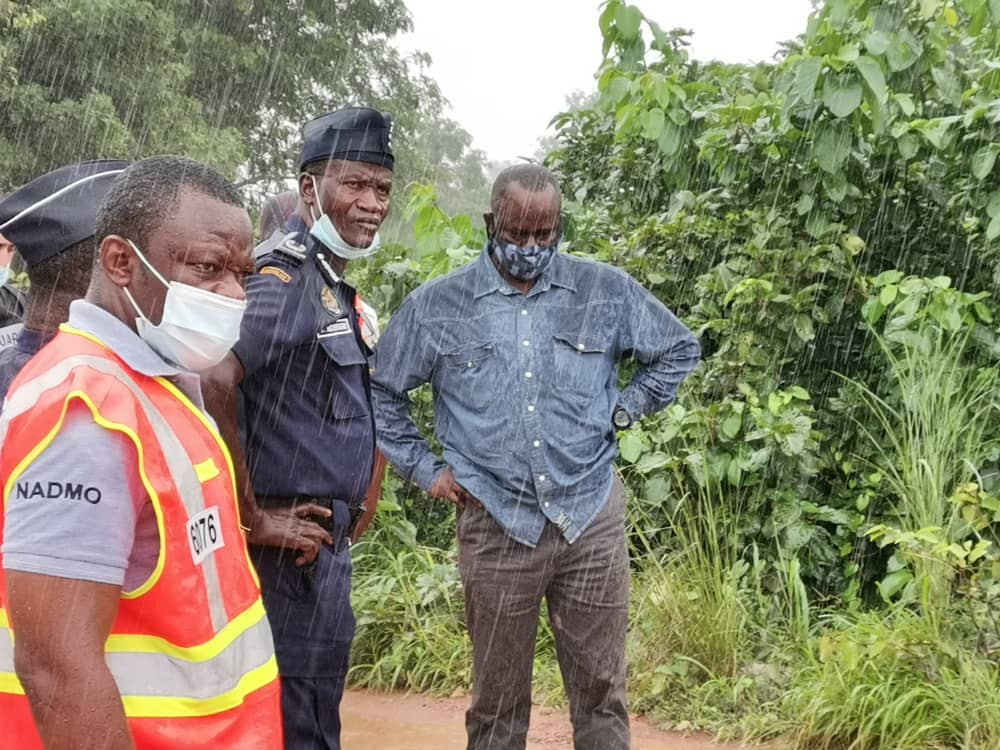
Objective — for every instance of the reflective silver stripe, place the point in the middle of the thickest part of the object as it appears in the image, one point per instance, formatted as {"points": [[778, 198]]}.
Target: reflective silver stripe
{"points": [[181, 469], [144, 675]]}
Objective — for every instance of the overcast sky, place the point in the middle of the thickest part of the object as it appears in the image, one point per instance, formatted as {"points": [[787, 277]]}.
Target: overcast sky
{"points": [[506, 67]]}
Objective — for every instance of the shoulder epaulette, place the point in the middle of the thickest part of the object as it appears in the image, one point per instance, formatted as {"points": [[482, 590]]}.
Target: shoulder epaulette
{"points": [[285, 245], [267, 246], [292, 249]]}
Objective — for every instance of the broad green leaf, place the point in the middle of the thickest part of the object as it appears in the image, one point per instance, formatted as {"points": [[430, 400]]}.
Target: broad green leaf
{"points": [[905, 102], [888, 294], [871, 71], [652, 123], [929, 7], [995, 10], [842, 95], [656, 491], [817, 224], [848, 53], [630, 446], [983, 161], [628, 19], [804, 205], [892, 276], [607, 17], [652, 461], [878, 42], [804, 327], [618, 88], [833, 146], [904, 50], [893, 583], [936, 130], [993, 230], [806, 76], [731, 425], [908, 145], [836, 186], [993, 207], [948, 85], [670, 139]]}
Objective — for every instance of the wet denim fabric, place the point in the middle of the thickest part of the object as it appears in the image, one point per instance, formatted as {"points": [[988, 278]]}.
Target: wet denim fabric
{"points": [[525, 385]]}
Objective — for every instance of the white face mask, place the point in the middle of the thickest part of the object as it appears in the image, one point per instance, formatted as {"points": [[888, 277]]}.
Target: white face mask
{"points": [[324, 231], [198, 328], [4, 275]]}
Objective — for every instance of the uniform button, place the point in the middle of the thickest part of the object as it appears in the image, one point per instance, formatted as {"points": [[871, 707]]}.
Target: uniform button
{"points": [[541, 477], [531, 407], [579, 347], [546, 503], [526, 342], [469, 365], [524, 312], [537, 443], [527, 374]]}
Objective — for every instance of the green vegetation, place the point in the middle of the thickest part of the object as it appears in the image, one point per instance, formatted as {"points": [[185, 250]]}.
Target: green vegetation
{"points": [[814, 524]]}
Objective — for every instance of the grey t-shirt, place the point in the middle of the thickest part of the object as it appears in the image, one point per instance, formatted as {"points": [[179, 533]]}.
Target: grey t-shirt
{"points": [[79, 509]]}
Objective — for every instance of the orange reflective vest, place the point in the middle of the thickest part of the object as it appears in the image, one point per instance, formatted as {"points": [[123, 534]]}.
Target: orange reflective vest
{"points": [[190, 650]]}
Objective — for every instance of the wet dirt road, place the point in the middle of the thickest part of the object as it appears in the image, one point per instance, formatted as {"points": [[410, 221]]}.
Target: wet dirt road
{"points": [[417, 722]]}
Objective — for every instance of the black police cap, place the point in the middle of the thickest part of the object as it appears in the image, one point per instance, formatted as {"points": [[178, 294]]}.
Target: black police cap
{"points": [[58, 209], [351, 134]]}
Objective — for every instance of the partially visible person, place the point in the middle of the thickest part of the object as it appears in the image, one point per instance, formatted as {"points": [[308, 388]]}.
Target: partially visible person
{"points": [[130, 615], [521, 349], [276, 211], [11, 298], [51, 221]]}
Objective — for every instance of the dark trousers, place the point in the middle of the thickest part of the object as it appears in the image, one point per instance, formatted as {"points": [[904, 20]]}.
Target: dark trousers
{"points": [[586, 586], [309, 610]]}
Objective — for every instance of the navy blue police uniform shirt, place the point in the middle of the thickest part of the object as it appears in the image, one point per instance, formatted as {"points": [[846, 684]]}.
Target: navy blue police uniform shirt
{"points": [[16, 356], [306, 410]]}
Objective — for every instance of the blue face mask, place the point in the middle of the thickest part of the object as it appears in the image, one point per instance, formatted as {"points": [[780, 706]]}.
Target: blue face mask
{"points": [[4, 275], [523, 263]]}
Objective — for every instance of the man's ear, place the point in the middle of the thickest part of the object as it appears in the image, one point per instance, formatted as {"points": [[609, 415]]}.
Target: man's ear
{"points": [[307, 189], [488, 218], [118, 260]]}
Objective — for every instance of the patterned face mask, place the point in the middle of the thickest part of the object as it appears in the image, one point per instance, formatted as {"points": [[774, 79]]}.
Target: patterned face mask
{"points": [[523, 263]]}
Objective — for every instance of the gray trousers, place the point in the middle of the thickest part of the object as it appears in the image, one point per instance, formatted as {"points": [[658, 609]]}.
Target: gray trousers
{"points": [[586, 586]]}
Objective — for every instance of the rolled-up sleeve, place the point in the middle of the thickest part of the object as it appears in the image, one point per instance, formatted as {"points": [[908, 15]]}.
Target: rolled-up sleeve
{"points": [[664, 347], [405, 360]]}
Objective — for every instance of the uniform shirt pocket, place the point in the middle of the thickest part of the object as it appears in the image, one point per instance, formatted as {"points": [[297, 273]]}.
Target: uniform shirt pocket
{"points": [[347, 398]]}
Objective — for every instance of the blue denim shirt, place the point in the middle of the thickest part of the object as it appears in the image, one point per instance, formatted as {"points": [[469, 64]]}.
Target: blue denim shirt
{"points": [[525, 385]]}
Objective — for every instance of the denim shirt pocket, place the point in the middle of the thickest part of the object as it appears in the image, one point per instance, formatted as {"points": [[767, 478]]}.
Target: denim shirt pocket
{"points": [[580, 362], [469, 375]]}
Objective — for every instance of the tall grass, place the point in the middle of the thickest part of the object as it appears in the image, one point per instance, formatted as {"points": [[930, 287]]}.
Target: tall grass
{"points": [[704, 626], [888, 682], [931, 438]]}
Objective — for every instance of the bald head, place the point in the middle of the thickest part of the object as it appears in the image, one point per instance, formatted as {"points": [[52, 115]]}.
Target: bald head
{"points": [[534, 178]]}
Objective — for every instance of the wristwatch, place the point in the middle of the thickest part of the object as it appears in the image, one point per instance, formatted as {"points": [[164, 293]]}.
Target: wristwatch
{"points": [[621, 419]]}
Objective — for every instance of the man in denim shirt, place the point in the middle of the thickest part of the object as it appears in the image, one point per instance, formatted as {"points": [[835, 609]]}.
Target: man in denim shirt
{"points": [[521, 348]]}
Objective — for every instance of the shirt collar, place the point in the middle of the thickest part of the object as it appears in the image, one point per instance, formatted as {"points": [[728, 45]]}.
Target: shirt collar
{"points": [[488, 278], [119, 338]]}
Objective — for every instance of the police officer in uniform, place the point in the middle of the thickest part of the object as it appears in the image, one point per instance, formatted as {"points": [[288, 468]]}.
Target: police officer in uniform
{"points": [[11, 298], [302, 366], [51, 221]]}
